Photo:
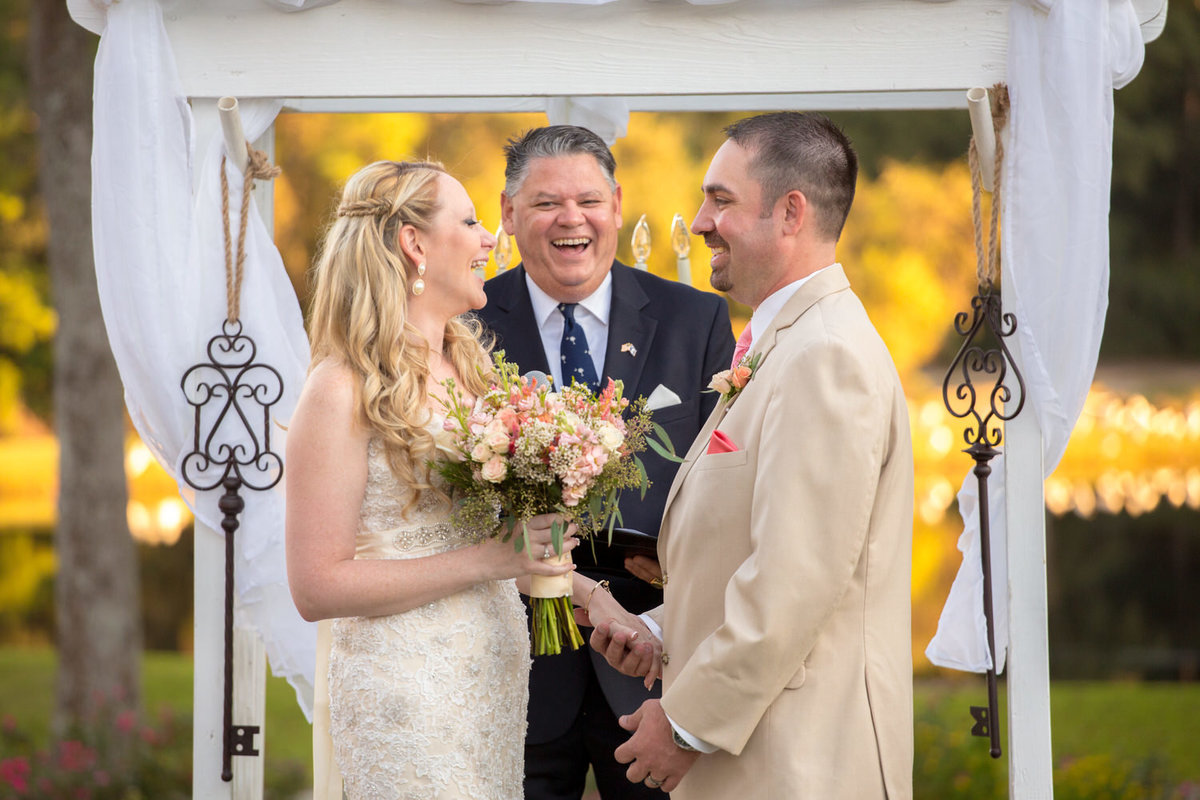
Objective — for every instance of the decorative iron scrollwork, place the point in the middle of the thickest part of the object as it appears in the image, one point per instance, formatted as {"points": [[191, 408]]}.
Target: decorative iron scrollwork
{"points": [[232, 398], [973, 359]]}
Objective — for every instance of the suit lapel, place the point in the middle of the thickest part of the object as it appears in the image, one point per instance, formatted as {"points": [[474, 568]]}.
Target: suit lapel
{"points": [[630, 332], [515, 325], [828, 282]]}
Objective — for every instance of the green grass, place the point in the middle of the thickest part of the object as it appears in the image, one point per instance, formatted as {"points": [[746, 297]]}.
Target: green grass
{"points": [[1130, 721], [27, 696], [1137, 722]]}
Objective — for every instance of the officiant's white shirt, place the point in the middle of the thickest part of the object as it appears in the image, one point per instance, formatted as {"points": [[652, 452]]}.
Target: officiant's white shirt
{"points": [[594, 320]]}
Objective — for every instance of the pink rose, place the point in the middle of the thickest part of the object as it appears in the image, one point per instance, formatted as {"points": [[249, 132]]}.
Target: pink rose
{"points": [[494, 470], [740, 376], [573, 494], [481, 452]]}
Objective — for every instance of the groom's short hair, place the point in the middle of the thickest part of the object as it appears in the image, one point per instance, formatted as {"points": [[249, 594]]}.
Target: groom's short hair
{"points": [[791, 150], [553, 141]]}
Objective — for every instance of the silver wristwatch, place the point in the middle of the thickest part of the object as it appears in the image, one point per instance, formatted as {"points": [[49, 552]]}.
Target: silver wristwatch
{"points": [[681, 742]]}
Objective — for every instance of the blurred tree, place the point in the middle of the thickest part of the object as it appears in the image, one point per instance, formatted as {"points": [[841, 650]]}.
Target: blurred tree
{"points": [[1155, 286], [26, 320], [96, 593]]}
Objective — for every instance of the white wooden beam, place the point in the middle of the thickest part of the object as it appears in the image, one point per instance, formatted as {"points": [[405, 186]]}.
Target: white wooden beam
{"points": [[748, 101], [1030, 758], [443, 49]]}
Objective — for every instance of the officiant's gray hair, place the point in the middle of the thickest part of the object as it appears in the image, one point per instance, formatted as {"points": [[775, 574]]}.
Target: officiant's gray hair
{"points": [[808, 152], [550, 142]]}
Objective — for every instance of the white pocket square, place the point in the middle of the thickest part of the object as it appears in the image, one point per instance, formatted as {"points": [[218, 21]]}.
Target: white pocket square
{"points": [[661, 397]]}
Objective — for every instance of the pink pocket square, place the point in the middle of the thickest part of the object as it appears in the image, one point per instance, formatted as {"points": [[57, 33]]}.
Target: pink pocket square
{"points": [[720, 443]]}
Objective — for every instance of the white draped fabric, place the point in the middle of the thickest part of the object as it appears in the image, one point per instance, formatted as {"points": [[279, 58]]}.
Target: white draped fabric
{"points": [[161, 277], [1064, 60]]}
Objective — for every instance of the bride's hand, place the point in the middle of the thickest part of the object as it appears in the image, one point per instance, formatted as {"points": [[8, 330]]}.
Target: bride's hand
{"points": [[541, 557]]}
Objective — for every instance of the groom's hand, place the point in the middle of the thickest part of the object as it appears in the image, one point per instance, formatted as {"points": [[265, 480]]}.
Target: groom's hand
{"points": [[651, 753], [629, 650]]}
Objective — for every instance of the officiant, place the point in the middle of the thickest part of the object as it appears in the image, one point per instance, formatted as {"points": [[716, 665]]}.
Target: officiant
{"points": [[571, 310]]}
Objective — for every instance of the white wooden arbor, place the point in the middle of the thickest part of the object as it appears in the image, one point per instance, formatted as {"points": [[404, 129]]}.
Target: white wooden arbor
{"points": [[666, 55]]}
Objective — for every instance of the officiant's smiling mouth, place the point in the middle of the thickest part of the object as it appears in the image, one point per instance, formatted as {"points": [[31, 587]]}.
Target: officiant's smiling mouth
{"points": [[575, 246]]}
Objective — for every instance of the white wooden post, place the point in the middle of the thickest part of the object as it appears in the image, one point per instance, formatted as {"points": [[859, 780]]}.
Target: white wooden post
{"points": [[1030, 761], [249, 675]]}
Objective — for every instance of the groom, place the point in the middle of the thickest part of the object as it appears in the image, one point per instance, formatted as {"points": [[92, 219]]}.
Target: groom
{"points": [[787, 536]]}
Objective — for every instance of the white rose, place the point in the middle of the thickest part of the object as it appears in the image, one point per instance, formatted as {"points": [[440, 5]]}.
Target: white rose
{"points": [[610, 437]]}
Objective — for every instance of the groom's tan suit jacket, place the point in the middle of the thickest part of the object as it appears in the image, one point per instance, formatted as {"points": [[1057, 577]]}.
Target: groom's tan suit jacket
{"points": [[786, 613]]}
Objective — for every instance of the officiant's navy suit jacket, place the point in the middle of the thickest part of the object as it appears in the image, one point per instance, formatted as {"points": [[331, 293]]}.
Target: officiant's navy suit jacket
{"points": [[659, 333]]}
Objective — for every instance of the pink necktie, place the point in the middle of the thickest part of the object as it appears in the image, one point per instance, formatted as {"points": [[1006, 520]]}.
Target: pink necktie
{"points": [[743, 346]]}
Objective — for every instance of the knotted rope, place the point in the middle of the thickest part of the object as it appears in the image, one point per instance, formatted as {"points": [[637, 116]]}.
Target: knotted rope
{"points": [[257, 166], [987, 265]]}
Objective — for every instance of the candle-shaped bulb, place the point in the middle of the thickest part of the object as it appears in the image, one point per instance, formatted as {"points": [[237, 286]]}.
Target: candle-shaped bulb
{"points": [[503, 251], [641, 242], [681, 243]]}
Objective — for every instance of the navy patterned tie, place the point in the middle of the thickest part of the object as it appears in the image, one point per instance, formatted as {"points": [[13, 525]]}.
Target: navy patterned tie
{"points": [[574, 350]]}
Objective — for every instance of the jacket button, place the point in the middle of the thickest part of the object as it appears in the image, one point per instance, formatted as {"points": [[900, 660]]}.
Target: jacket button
{"points": [[666, 658]]}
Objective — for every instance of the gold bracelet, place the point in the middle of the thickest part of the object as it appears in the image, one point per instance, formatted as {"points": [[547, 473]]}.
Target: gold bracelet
{"points": [[601, 585]]}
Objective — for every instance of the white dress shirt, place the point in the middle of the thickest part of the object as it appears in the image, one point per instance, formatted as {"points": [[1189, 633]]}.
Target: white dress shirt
{"points": [[591, 313]]}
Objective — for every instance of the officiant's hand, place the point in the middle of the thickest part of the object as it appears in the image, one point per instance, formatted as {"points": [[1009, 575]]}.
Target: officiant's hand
{"points": [[629, 647], [651, 753]]}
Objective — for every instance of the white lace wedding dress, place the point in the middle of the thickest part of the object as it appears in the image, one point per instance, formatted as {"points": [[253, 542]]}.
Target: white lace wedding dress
{"points": [[429, 703]]}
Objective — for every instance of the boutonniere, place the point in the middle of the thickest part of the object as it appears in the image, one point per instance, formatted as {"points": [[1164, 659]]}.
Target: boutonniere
{"points": [[728, 382]]}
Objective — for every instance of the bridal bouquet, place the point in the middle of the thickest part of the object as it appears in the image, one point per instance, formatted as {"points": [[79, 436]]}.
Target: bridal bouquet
{"points": [[527, 450]]}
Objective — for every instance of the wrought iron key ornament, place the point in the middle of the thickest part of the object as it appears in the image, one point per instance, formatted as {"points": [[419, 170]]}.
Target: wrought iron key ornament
{"points": [[231, 396], [977, 388]]}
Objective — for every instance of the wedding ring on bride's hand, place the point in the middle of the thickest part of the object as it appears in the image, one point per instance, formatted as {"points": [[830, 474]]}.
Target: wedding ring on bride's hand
{"points": [[653, 782], [546, 552]]}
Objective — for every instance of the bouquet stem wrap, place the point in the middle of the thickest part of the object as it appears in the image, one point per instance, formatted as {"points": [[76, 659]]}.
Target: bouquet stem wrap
{"points": [[554, 627]]}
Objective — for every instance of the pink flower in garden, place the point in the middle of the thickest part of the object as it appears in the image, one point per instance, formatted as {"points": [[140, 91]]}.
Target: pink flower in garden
{"points": [[75, 756], [126, 721], [15, 772]]}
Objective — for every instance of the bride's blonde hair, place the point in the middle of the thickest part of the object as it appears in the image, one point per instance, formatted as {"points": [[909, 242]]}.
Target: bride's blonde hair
{"points": [[359, 313]]}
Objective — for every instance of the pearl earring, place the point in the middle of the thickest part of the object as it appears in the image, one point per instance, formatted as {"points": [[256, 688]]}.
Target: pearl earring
{"points": [[419, 284]]}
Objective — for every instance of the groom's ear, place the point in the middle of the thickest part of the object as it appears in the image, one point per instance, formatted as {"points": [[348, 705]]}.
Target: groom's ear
{"points": [[797, 213]]}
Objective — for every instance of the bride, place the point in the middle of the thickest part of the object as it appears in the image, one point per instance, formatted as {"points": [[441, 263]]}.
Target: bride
{"points": [[428, 650]]}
